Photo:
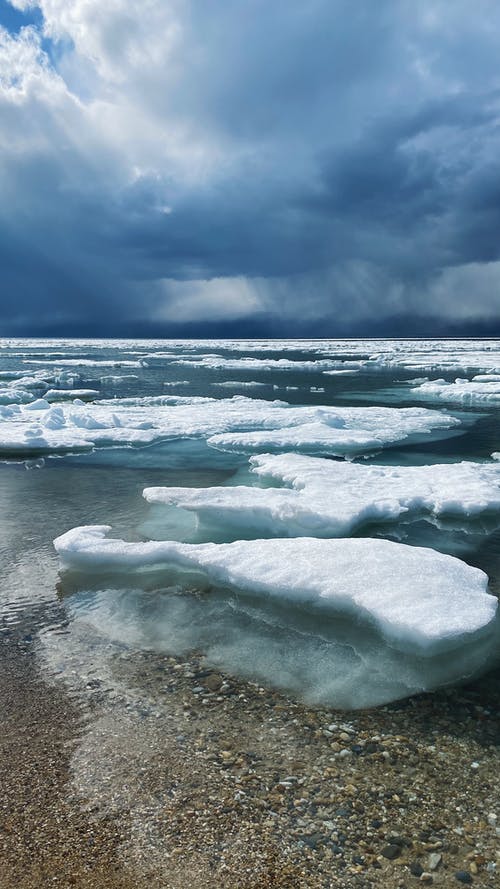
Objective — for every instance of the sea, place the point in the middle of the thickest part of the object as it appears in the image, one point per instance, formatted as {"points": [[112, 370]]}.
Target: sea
{"points": [[250, 441]]}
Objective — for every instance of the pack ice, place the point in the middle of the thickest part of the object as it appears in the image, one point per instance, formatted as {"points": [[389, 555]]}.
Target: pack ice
{"points": [[328, 498], [418, 599], [237, 423]]}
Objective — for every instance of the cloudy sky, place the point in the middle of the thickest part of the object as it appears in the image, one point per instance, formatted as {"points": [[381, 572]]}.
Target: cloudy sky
{"points": [[246, 167]]}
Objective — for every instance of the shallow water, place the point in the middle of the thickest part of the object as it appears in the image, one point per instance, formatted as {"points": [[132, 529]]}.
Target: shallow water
{"points": [[42, 497]]}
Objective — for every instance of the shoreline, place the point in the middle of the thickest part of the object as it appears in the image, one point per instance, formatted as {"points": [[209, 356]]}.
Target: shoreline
{"points": [[166, 773]]}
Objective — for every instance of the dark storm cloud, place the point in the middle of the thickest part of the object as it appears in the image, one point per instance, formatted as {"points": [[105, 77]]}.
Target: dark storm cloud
{"points": [[333, 163]]}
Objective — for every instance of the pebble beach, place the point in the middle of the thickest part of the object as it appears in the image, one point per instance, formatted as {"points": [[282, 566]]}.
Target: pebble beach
{"points": [[168, 774]]}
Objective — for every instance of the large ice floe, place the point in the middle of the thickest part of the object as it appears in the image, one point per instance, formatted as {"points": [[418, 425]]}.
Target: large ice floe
{"points": [[325, 432], [350, 622], [218, 362], [482, 389], [326, 498], [234, 424]]}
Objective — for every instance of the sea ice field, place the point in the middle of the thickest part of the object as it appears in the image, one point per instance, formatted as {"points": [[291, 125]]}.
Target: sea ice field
{"points": [[321, 517]]}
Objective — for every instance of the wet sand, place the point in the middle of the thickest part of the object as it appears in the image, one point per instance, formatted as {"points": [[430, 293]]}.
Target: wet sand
{"points": [[161, 772]]}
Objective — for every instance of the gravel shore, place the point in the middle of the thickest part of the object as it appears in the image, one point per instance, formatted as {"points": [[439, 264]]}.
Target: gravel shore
{"points": [[165, 773]]}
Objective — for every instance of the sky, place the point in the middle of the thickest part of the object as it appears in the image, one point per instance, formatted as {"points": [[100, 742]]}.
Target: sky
{"points": [[247, 168]]}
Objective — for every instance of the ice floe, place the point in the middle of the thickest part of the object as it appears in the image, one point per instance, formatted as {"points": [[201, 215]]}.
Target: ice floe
{"points": [[83, 362], [325, 498], [417, 598], [480, 390], [235, 424], [69, 394], [325, 432], [237, 384], [342, 371], [261, 364]]}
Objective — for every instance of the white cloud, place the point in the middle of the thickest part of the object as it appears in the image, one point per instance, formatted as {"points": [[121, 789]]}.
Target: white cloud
{"points": [[213, 300]]}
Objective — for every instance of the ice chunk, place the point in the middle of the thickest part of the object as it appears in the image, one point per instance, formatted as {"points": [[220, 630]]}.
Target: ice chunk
{"points": [[418, 599], [15, 396], [328, 498], [39, 405], [114, 380], [54, 419], [237, 384], [69, 394], [342, 371]]}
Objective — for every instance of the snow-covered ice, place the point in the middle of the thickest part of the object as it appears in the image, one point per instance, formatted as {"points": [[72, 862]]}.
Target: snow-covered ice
{"points": [[480, 390], [69, 394], [417, 598], [262, 364], [325, 498], [236, 384], [265, 424], [82, 362], [326, 433]]}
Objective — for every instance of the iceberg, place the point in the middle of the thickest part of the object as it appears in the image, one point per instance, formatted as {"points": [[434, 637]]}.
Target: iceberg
{"points": [[326, 498]]}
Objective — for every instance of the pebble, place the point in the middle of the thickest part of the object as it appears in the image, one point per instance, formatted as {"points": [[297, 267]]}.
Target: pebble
{"points": [[416, 869], [434, 860], [391, 851], [463, 876]]}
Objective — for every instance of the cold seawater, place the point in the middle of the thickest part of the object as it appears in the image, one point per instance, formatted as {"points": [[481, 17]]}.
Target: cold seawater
{"points": [[205, 444], [249, 536]]}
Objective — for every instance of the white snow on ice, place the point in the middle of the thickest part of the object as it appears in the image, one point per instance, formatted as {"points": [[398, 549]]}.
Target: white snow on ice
{"points": [[267, 424], [260, 364], [417, 598], [325, 498], [323, 432], [481, 390]]}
